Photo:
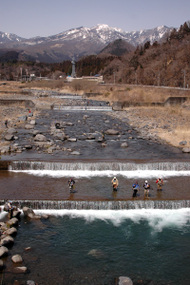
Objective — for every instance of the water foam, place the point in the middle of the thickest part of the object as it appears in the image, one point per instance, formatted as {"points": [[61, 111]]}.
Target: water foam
{"points": [[106, 173], [157, 219]]}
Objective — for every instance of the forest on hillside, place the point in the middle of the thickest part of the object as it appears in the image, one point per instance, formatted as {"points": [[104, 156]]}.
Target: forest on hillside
{"points": [[161, 64]]}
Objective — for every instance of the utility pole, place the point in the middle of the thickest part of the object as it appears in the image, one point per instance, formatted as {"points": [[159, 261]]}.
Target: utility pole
{"points": [[114, 78], [184, 79]]}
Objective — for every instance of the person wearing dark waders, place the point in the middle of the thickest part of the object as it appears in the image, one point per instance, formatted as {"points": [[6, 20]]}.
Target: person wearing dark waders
{"points": [[135, 189], [71, 183], [159, 183], [6, 123], [146, 187], [115, 184]]}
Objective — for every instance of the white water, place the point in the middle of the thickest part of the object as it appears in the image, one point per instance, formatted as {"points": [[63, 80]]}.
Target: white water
{"points": [[156, 218], [108, 173]]}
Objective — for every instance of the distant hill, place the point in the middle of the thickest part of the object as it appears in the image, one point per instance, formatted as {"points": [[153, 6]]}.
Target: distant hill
{"points": [[118, 47]]}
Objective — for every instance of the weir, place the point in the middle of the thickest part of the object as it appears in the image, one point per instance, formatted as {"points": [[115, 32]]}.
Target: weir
{"points": [[82, 108], [98, 166], [101, 205]]}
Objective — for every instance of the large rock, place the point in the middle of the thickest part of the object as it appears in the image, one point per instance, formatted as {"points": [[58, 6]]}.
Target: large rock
{"points": [[40, 138], [29, 127], [124, 145], [1, 265], [125, 281], [7, 241], [3, 251], [21, 269], [28, 212], [11, 232], [11, 131], [12, 222], [186, 150], [9, 137], [4, 149], [17, 258], [112, 132]]}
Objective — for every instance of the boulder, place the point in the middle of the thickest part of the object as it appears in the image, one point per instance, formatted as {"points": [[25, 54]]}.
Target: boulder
{"points": [[186, 150], [4, 149], [32, 122], [124, 145], [11, 131], [11, 232], [17, 258], [30, 282], [125, 281], [72, 139], [1, 265], [75, 153], [28, 212], [22, 118], [7, 241], [40, 138], [3, 251], [112, 132], [9, 137], [12, 222], [21, 269], [60, 136], [29, 127]]}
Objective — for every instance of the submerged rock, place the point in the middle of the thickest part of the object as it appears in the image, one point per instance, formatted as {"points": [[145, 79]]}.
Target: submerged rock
{"points": [[125, 281], [112, 132], [17, 258]]}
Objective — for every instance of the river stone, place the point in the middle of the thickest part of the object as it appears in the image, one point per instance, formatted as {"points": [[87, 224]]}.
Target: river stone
{"points": [[30, 282], [22, 118], [27, 211], [1, 264], [40, 138], [72, 139], [11, 131], [125, 281], [9, 137], [21, 269], [4, 149], [11, 232], [7, 241], [186, 150], [112, 132], [29, 127], [124, 145], [3, 251], [60, 136], [17, 258], [12, 222], [75, 153], [32, 122]]}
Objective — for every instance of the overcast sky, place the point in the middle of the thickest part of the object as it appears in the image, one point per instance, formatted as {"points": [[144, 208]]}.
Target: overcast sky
{"points": [[30, 18]]}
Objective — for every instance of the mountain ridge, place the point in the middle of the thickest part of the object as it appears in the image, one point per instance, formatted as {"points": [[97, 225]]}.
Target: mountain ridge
{"points": [[77, 42]]}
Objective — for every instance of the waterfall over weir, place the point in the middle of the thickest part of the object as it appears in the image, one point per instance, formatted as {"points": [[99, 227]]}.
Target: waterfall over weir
{"points": [[103, 205], [99, 166]]}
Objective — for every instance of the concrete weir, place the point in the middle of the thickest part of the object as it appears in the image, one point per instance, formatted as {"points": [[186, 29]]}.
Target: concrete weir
{"points": [[81, 108]]}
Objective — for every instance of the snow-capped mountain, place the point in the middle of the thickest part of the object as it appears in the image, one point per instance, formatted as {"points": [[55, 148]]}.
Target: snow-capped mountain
{"points": [[77, 42]]}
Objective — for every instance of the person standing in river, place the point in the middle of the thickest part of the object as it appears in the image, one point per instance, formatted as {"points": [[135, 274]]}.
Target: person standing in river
{"points": [[146, 187], [159, 183]]}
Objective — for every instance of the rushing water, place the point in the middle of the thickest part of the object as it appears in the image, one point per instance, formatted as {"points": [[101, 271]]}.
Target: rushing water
{"points": [[93, 236], [95, 247]]}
